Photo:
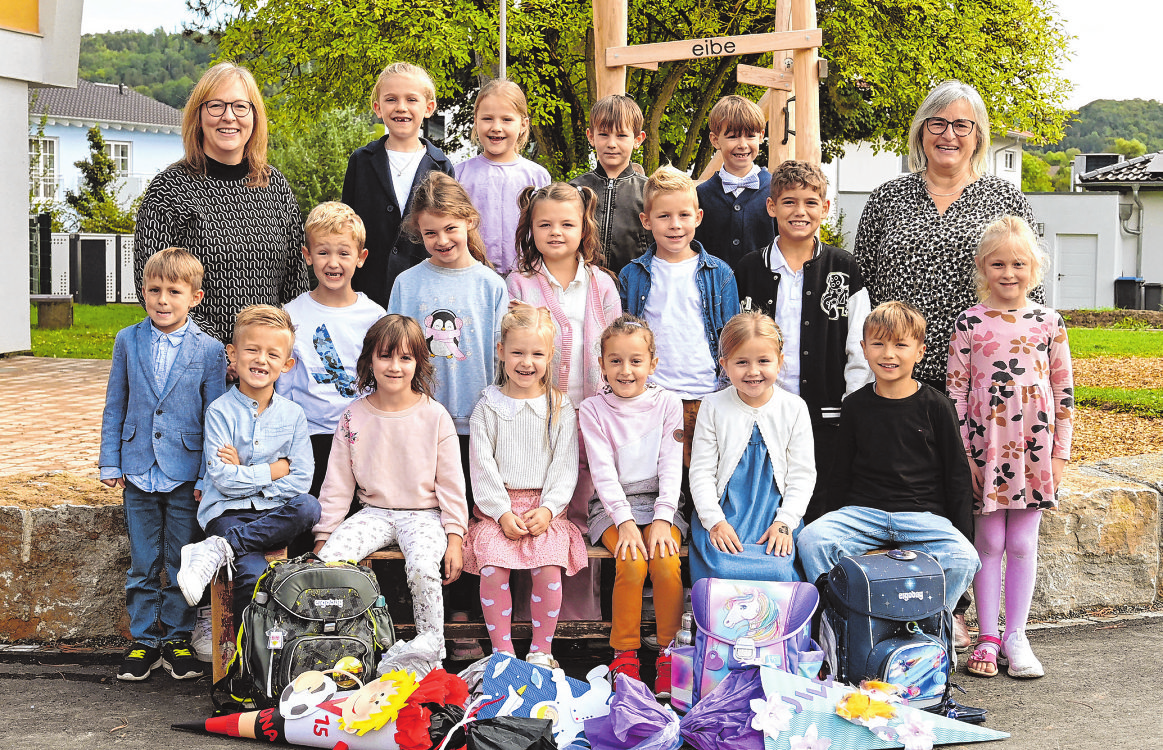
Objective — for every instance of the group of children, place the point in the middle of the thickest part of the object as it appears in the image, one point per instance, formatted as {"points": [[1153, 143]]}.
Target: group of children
{"points": [[573, 373]]}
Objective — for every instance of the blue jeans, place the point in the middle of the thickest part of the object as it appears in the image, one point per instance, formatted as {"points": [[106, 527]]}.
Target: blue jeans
{"points": [[855, 530], [250, 533], [159, 525]]}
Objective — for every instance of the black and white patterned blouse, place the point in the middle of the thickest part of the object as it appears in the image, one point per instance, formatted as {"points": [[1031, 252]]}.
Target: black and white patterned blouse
{"points": [[248, 238], [909, 252]]}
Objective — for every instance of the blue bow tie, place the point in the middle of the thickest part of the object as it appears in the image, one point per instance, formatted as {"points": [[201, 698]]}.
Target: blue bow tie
{"points": [[731, 183]]}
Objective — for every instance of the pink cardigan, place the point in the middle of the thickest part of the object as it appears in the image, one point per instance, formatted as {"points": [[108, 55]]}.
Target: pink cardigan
{"points": [[603, 307]]}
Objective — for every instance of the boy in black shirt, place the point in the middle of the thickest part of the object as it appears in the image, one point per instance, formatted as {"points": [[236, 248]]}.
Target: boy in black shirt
{"points": [[901, 476]]}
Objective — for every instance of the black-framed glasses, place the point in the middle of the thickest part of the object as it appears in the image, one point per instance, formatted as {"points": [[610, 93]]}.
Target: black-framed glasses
{"points": [[240, 108], [938, 125]]}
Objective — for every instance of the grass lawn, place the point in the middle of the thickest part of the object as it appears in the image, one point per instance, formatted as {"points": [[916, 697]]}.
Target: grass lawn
{"points": [[91, 337], [1146, 402], [1111, 342]]}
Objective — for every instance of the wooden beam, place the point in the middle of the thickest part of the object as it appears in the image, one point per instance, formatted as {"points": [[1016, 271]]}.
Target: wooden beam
{"points": [[645, 65], [807, 86], [691, 49], [777, 151], [609, 31], [772, 79]]}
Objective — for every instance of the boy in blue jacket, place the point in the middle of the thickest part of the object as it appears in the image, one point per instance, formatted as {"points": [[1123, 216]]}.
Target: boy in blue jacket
{"points": [[165, 372]]}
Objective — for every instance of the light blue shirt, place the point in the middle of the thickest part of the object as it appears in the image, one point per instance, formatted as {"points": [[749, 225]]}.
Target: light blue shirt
{"points": [[280, 431]]}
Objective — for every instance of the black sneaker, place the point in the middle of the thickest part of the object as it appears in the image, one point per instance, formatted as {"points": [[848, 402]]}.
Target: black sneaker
{"points": [[139, 660], [179, 660]]}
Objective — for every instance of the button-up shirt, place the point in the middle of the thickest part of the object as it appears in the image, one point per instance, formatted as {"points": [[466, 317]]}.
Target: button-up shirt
{"points": [[789, 309]]}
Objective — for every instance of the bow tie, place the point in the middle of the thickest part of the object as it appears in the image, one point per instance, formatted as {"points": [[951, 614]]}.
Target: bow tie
{"points": [[731, 183]]}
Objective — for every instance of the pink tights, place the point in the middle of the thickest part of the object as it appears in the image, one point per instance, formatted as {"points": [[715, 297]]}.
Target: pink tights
{"points": [[1014, 532], [497, 604]]}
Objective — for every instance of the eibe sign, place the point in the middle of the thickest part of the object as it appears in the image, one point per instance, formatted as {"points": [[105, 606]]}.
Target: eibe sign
{"points": [[689, 49], [713, 48]]}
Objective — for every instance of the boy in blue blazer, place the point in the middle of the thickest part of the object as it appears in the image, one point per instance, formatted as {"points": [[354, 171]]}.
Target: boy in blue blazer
{"points": [[165, 373]]}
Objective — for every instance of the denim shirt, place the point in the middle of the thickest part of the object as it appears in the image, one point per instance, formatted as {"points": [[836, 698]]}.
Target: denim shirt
{"points": [[280, 431], [717, 291]]}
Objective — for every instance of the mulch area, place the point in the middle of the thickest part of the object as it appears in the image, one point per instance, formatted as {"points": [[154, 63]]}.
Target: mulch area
{"points": [[1101, 433], [1107, 318]]}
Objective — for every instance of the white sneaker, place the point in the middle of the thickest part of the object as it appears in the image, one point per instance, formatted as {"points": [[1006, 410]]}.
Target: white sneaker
{"points": [[199, 564], [1016, 651], [202, 639], [542, 659]]}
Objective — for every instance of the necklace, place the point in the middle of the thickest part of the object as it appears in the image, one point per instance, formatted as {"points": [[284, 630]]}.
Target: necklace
{"points": [[408, 164], [929, 190]]}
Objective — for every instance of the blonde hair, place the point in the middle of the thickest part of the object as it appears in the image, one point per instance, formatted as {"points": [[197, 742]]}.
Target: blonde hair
{"points": [[404, 69], [540, 322], [333, 217], [441, 195], [628, 325], [666, 179], [746, 326], [529, 258], [617, 112], [255, 151], [895, 321], [1016, 231], [511, 93], [736, 114], [389, 334], [942, 96], [266, 316], [175, 265]]}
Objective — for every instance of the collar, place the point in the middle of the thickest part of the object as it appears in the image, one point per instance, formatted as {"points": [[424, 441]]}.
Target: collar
{"points": [[646, 258], [731, 182], [578, 278], [777, 260], [507, 408], [220, 171], [247, 401], [174, 337]]}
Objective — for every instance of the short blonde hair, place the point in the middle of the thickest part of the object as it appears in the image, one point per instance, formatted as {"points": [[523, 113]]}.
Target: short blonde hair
{"points": [[266, 316], [333, 217], [895, 321], [255, 151], [736, 114], [617, 112], [404, 69], [746, 326], [507, 91], [943, 95], [666, 179], [175, 265], [1016, 231]]}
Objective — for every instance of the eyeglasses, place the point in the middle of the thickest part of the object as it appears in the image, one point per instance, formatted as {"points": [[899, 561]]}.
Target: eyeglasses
{"points": [[241, 108], [938, 125]]}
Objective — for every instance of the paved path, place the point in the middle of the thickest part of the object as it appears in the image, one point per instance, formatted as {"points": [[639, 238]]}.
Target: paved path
{"points": [[50, 414]]}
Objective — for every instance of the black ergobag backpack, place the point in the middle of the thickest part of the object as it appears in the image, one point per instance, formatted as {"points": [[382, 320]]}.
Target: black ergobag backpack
{"points": [[306, 615], [884, 618]]}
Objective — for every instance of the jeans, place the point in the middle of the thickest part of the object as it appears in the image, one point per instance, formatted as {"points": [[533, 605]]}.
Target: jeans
{"points": [[855, 530], [250, 533], [159, 525]]}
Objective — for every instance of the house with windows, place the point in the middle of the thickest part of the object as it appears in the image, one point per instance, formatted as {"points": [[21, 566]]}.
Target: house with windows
{"points": [[142, 135]]}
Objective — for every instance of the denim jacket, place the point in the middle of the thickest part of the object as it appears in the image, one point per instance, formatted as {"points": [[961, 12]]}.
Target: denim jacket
{"points": [[714, 278]]}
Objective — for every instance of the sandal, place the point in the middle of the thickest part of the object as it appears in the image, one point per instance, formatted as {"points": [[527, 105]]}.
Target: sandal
{"points": [[983, 661]]}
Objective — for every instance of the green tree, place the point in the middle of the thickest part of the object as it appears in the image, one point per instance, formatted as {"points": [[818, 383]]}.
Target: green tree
{"points": [[1128, 148], [884, 55], [95, 203], [1035, 174], [314, 158]]}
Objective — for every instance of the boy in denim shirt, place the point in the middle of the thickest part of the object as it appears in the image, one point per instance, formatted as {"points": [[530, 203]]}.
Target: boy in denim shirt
{"points": [[683, 292], [165, 372], [258, 460]]}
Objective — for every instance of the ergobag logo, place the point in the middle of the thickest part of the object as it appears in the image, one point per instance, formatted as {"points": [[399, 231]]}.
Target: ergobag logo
{"points": [[328, 602], [904, 596]]}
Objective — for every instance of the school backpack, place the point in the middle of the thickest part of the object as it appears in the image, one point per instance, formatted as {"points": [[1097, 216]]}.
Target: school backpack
{"points": [[306, 615], [740, 624], [884, 618]]}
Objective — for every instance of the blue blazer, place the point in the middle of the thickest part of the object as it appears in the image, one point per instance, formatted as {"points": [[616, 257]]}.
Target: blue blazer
{"points": [[143, 424]]}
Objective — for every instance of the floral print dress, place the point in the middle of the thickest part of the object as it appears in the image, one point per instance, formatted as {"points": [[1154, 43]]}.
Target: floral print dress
{"points": [[1011, 379]]}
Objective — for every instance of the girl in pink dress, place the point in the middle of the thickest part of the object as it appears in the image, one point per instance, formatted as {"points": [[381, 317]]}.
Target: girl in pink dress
{"points": [[523, 454], [1010, 377]]}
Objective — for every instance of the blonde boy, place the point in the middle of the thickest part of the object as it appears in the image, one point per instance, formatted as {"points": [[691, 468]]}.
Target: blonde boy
{"points": [[734, 200], [330, 322], [615, 131]]}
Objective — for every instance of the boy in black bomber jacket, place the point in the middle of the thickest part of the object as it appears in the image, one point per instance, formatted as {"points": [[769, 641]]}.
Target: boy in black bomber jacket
{"points": [[817, 296]]}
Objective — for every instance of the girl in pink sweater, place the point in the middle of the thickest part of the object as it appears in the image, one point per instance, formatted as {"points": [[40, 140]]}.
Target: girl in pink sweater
{"points": [[397, 450]]}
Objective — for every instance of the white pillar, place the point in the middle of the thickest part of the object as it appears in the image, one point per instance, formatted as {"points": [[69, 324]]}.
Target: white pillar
{"points": [[14, 331]]}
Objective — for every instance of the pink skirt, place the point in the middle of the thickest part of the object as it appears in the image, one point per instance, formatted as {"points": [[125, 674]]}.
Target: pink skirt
{"points": [[561, 544]]}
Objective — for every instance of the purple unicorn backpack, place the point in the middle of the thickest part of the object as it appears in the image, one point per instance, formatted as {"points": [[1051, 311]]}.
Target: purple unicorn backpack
{"points": [[740, 624]]}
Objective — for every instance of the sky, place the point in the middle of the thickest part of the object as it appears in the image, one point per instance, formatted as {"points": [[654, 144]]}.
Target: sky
{"points": [[1113, 54]]}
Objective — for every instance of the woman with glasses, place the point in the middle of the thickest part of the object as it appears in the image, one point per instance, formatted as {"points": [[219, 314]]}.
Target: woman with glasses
{"points": [[918, 233], [226, 205]]}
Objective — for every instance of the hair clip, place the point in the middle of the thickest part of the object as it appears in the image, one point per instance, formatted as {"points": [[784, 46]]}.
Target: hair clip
{"points": [[633, 324]]}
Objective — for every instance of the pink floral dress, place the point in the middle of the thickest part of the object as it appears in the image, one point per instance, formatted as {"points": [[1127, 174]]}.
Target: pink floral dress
{"points": [[1011, 379]]}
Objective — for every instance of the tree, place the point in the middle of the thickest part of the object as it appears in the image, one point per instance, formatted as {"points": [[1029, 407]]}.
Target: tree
{"points": [[885, 55], [314, 158], [96, 201], [1035, 174], [1129, 149]]}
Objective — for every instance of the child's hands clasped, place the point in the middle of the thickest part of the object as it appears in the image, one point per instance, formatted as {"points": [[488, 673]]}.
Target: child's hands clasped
{"points": [[629, 540], [724, 538], [513, 526], [537, 520], [659, 540], [778, 538]]}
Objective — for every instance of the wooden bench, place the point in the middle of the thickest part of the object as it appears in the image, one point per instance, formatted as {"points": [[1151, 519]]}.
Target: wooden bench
{"points": [[223, 630], [53, 311]]}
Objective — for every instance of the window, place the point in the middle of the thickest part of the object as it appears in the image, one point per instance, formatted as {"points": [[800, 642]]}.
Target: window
{"points": [[118, 151], [1010, 160], [42, 167]]}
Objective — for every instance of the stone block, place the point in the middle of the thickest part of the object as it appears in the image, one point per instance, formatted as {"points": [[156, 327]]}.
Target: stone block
{"points": [[1101, 547], [1147, 469], [62, 572]]}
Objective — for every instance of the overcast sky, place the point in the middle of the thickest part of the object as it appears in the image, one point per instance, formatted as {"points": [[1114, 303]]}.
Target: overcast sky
{"points": [[1114, 53]]}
